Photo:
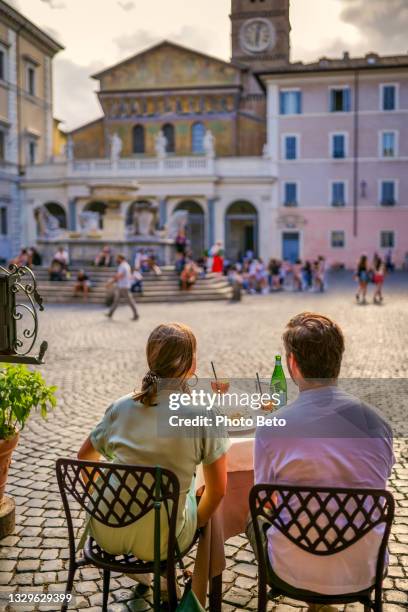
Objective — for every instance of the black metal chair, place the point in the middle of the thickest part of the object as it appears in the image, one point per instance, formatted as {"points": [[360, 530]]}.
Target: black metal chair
{"points": [[309, 518], [134, 495]]}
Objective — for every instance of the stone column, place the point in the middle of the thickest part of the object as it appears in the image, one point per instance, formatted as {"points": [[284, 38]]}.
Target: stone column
{"points": [[48, 110], [272, 145], [16, 208], [211, 222], [72, 211], [163, 212]]}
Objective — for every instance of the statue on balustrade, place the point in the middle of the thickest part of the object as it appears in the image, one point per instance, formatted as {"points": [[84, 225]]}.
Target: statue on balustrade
{"points": [[116, 146], [160, 145], [209, 144], [69, 149]]}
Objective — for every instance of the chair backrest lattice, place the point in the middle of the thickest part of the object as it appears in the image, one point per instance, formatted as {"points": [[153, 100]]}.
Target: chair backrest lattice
{"points": [[116, 495], [322, 521]]}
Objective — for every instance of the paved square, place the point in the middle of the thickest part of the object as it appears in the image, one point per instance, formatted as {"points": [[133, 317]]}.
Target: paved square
{"points": [[94, 361]]}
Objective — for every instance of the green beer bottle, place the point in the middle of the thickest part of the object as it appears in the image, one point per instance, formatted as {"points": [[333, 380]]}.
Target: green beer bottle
{"points": [[278, 382]]}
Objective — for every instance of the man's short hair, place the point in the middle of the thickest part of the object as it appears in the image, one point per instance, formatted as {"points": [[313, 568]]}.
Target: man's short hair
{"points": [[317, 343]]}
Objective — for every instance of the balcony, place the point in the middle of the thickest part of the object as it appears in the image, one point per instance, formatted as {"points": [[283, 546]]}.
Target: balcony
{"points": [[152, 167]]}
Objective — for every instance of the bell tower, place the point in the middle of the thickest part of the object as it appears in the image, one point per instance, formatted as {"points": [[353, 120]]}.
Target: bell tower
{"points": [[260, 33]]}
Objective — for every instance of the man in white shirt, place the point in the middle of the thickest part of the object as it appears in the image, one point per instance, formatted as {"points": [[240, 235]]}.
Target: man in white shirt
{"points": [[123, 282], [62, 257], [331, 439]]}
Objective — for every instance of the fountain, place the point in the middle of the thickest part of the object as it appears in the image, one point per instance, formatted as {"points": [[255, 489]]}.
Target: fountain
{"points": [[111, 227]]}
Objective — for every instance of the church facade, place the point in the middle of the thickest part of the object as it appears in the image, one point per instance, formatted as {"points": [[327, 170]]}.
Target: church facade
{"points": [[287, 160]]}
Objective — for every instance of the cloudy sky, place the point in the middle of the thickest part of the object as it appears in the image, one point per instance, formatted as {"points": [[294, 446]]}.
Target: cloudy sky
{"points": [[99, 33]]}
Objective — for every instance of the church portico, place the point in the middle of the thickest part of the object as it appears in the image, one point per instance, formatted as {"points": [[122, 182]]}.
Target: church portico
{"points": [[100, 209]]}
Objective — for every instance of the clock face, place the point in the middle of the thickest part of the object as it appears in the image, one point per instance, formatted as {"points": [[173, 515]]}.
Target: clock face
{"points": [[257, 35]]}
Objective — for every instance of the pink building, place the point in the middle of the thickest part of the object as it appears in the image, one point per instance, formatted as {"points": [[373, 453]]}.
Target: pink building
{"points": [[338, 137]]}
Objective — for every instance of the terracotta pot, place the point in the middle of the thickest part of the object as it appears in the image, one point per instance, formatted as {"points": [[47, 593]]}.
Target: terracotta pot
{"points": [[6, 450]]}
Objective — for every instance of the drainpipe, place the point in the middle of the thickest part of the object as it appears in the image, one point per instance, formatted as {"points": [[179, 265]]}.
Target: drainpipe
{"points": [[18, 101], [356, 152]]}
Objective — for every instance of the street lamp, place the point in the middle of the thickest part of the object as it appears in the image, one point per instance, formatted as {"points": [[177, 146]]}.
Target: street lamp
{"points": [[19, 299]]}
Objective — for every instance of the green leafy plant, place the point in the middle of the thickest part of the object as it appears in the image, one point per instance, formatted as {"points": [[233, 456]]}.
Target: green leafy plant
{"points": [[21, 390]]}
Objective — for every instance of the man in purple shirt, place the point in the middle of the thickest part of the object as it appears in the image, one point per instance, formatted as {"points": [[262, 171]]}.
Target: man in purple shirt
{"points": [[331, 439]]}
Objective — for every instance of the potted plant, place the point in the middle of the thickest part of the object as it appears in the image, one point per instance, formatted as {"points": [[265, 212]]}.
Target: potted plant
{"points": [[21, 390]]}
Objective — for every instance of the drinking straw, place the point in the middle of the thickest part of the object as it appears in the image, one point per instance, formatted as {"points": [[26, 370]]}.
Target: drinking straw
{"points": [[215, 375], [259, 383]]}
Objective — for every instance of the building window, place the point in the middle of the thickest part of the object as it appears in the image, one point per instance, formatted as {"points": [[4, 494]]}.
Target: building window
{"points": [[138, 139], [388, 195], [337, 239], [338, 195], [2, 145], [338, 147], [3, 221], [340, 100], [3, 64], [290, 147], [388, 144], [290, 194], [168, 131], [290, 102], [387, 240], [31, 80], [32, 152], [197, 138], [389, 97]]}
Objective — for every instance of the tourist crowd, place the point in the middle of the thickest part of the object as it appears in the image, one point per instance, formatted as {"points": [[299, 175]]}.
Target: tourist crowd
{"points": [[250, 274]]}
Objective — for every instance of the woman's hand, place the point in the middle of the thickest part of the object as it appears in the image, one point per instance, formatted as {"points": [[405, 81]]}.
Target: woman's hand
{"points": [[215, 478]]}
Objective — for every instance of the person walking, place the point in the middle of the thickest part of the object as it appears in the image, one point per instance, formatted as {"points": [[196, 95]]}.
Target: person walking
{"points": [[362, 276], [307, 276], [297, 276], [123, 281], [379, 275]]}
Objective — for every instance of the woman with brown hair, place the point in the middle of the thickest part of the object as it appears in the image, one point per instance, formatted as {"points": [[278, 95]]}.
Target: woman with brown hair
{"points": [[362, 277], [128, 434]]}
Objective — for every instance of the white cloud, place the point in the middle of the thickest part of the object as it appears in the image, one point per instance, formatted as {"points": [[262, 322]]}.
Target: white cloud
{"points": [[75, 98], [133, 43], [383, 24], [195, 37], [55, 4], [127, 6]]}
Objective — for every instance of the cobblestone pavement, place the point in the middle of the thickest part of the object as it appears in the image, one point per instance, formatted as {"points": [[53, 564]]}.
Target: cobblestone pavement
{"points": [[93, 361]]}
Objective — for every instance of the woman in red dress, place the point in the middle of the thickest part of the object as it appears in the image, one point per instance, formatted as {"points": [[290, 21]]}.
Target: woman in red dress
{"points": [[217, 254]]}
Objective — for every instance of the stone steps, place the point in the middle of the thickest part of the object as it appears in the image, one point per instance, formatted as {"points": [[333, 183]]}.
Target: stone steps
{"points": [[162, 288]]}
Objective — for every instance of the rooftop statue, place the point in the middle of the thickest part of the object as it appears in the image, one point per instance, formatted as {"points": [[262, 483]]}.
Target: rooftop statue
{"points": [[160, 145], [116, 146], [209, 144]]}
